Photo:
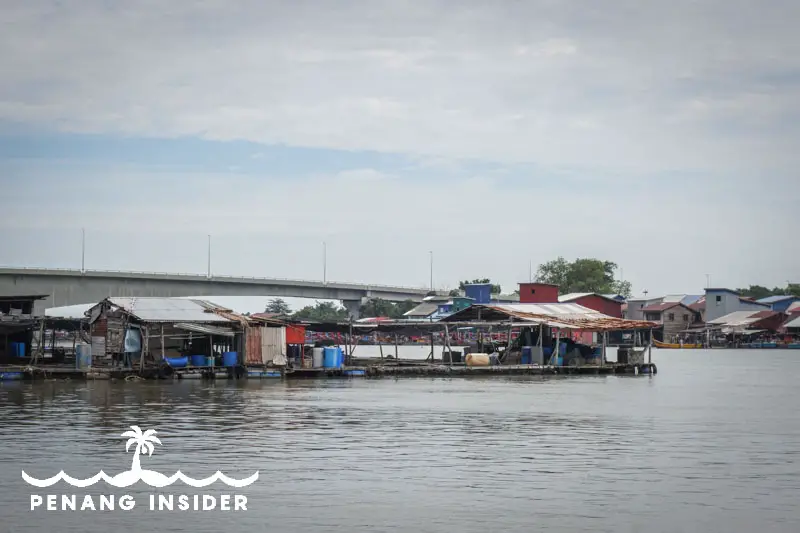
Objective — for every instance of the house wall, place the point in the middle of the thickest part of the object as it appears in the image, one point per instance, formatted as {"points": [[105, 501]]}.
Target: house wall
{"points": [[783, 305], [675, 320], [721, 303], [601, 305], [635, 306], [481, 293], [538, 293]]}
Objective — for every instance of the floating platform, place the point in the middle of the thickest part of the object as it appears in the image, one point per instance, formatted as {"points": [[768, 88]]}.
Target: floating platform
{"points": [[372, 371]]}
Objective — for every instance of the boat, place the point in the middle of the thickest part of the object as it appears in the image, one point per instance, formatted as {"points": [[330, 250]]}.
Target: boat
{"points": [[670, 345]]}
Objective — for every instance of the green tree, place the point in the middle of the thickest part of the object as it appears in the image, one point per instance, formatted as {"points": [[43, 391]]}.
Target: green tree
{"points": [[322, 312], [279, 307], [759, 291], [454, 292], [583, 275], [375, 307], [495, 288]]}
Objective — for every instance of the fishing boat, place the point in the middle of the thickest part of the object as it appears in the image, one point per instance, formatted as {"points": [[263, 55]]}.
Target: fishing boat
{"points": [[671, 345]]}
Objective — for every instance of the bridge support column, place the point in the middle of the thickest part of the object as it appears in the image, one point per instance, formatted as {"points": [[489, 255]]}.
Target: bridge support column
{"points": [[353, 308]]}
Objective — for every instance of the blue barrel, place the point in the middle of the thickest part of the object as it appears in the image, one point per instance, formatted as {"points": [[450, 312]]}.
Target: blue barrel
{"points": [[230, 358], [20, 349], [83, 356], [527, 355], [198, 360], [330, 357], [177, 362], [559, 361], [547, 351], [562, 349]]}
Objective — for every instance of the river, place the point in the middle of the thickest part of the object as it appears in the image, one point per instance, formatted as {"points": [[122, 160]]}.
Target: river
{"points": [[709, 444]]}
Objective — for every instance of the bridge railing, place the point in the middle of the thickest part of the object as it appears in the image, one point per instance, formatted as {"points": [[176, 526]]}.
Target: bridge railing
{"points": [[223, 277]]}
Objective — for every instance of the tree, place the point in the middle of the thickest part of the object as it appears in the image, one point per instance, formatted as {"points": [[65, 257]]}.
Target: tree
{"points": [[322, 312], [454, 292], [495, 288], [582, 275], [375, 307], [279, 307], [623, 288], [759, 291]]}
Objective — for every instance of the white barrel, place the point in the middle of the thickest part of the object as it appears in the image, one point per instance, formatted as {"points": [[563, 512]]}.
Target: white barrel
{"points": [[317, 357], [83, 356]]}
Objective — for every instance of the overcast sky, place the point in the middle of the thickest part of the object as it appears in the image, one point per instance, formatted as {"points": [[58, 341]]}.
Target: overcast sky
{"points": [[662, 135]]}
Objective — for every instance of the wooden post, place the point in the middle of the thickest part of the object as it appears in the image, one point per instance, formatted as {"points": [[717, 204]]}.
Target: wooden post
{"points": [[603, 351], [145, 346], [556, 352], [380, 344], [163, 353], [650, 348], [396, 354], [433, 350], [449, 348]]}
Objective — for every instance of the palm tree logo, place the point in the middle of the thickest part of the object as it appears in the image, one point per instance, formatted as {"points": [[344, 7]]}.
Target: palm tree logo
{"points": [[144, 444]]}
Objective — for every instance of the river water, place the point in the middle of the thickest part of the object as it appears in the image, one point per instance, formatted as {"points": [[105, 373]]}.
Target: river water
{"points": [[711, 443]]}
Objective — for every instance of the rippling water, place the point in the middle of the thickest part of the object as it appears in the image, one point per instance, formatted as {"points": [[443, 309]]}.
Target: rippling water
{"points": [[711, 443]]}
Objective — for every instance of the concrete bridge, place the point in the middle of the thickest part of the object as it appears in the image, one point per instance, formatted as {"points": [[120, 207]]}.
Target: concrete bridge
{"points": [[72, 287]]}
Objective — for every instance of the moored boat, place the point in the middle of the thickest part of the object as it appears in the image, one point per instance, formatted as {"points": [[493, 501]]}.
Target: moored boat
{"points": [[670, 345]]}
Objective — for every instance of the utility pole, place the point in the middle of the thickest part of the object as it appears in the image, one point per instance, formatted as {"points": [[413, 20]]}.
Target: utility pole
{"points": [[83, 250], [324, 262], [209, 257], [708, 281], [431, 252], [530, 271]]}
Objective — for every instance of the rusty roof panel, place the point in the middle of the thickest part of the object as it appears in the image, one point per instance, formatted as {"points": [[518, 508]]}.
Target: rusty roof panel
{"points": [[570, 316]]}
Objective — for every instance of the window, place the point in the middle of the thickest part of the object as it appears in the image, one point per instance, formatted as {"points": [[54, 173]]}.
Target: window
{"points": [[533, 291], [719, 298], [655, 317], [686, 318], [671, 317]]}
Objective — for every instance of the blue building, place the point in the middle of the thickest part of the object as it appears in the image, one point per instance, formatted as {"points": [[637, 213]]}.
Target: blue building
{"points": [[481, 293], [779, 303]]}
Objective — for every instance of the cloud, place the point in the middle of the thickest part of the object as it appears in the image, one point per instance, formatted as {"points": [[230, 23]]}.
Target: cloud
{"points": [[629, 85]]}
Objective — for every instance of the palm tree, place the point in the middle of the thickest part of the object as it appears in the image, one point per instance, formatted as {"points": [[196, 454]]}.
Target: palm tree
{"points": [[144, 444]]}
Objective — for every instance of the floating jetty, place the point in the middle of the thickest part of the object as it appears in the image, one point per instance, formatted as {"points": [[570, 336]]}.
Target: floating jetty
{"points": [[344, 372]]}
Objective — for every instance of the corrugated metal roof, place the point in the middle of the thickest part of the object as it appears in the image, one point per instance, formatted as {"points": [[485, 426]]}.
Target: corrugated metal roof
{"points": [[573, 296], [74, 312], [657, 308], [208, 330], [741, 318], [423, 309], [794, 323], [560, 315], [775, 299], [794, 308], [169, 309]]}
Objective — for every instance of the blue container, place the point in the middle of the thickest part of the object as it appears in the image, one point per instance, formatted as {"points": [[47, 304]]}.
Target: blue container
{"points": [[341, 357], [83, 356], [11, 376], [559, 361], [198, 360], [794, 345], [177, 362], [770, 345], [527, 355], [19, 349], [547, 351], [331, 357], [355, 372], [597, 351], [230, 358], [562, 348]]}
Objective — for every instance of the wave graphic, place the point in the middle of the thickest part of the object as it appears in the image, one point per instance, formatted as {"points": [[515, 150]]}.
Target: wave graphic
{"points": [[149, 477]]}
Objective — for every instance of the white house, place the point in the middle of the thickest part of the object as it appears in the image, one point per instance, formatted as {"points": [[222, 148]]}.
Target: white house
{"points": [[721, 302]]}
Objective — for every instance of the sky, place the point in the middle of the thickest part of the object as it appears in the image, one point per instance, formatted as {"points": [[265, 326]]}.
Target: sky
{"points": [[661, 135]]}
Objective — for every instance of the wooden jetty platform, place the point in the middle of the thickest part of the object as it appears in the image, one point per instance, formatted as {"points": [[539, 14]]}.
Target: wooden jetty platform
{"points": [[30, 373]]}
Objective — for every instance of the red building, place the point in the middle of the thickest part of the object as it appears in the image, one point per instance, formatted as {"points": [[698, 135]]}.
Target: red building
{"points": [[538, 293], [598, 302]]}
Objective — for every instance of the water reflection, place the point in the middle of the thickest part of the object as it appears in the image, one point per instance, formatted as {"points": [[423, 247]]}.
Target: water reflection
{"points": [[702, 446]]}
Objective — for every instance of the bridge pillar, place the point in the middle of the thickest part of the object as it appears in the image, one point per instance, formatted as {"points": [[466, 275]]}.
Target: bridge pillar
{"points": [[353, 308]]}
